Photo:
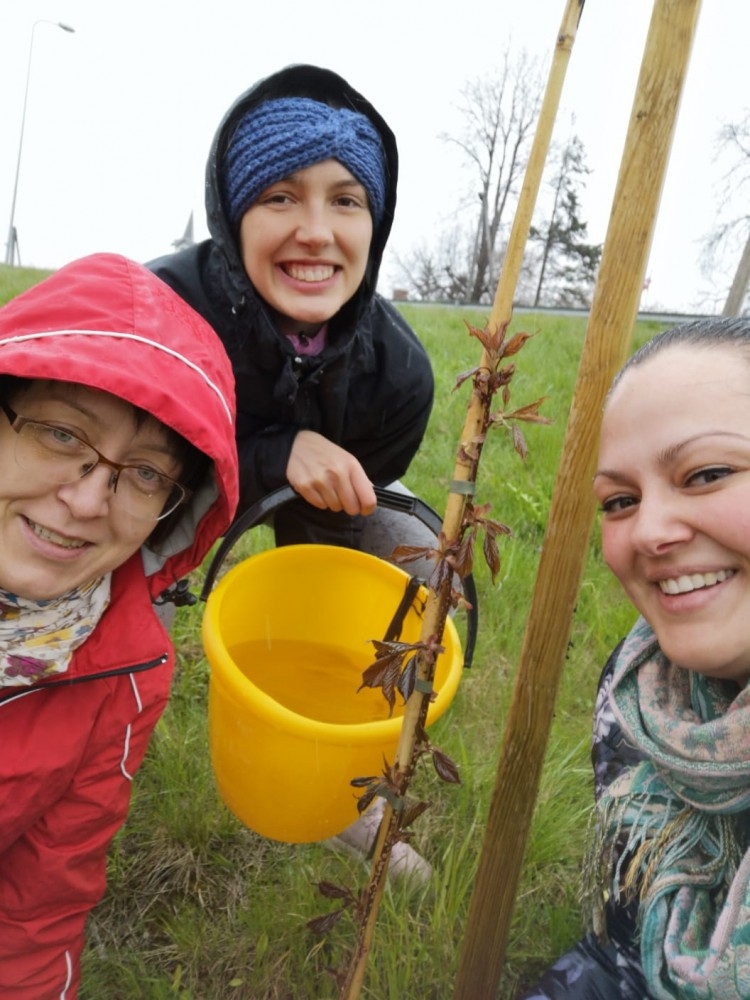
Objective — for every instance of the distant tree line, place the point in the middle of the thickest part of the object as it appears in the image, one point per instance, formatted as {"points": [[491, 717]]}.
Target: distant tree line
{"points": [[499, 113]]}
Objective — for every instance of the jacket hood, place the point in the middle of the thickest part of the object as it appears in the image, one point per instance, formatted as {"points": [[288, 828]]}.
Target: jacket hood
{"points": [[110, 324], [321, 85]]}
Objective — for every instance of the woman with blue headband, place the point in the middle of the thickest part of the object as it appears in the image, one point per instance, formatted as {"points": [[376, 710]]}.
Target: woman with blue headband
{"points": [[334, 390]]}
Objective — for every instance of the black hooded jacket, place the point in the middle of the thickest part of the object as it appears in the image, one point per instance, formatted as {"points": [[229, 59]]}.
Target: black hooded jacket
{"points": [[370, 390]]}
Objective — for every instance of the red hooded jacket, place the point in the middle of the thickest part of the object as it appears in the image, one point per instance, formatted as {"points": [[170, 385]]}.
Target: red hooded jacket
{"points": [[69, 747]]}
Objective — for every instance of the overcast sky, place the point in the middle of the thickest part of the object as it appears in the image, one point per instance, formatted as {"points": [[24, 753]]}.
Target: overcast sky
{"points": [[121, 113]]}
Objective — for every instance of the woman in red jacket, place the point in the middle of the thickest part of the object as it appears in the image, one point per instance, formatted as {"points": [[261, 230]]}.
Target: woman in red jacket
{"points": [[117, 473]]}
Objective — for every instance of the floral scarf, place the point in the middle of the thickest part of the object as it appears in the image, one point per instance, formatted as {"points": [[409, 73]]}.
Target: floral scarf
{"points": [[673, 824], [38, 638]]}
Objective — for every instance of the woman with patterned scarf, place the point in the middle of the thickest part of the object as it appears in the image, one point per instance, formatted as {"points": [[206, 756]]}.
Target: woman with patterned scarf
{"points": [[118, 471], [670, 859]]}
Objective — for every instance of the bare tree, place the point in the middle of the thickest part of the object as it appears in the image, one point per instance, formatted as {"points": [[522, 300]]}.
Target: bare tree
{"points": [[568, 264], [499, 115], [731, 236]]}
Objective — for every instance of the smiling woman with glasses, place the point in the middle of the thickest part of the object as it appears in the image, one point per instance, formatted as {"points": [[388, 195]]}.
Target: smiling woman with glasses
{"points": [[112, 487]]}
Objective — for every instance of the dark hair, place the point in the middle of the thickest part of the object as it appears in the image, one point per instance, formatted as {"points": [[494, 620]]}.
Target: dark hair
{"points": [[194, 464], [703, 333]]}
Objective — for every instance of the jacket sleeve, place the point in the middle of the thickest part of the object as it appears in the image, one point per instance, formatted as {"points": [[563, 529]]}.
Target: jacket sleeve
{"points": [[263, 458], [54, 870]]}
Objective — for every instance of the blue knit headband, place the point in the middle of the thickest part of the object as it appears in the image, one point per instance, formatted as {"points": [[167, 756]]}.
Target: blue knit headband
{"points": [[278, 137]]}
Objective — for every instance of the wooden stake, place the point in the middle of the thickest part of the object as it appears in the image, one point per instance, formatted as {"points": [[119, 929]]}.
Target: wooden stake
{"points": [[613, 313], [467, 458]]}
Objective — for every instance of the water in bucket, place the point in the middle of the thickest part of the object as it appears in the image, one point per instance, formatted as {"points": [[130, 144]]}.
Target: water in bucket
{"points": [[288, 730], [316, 680]]}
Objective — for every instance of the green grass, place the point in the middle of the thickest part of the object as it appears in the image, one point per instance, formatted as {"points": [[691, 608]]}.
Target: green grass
{"points": [[14, 280], [201, 908]]}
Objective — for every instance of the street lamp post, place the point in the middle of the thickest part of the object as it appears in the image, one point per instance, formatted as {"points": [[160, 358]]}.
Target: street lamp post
{"points": [[11, 246]]}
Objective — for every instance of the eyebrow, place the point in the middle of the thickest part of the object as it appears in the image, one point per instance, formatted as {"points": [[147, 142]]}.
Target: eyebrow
{"points": [[296, 178], [667, 455], [612, 474], [73, 403], [161, 448]]}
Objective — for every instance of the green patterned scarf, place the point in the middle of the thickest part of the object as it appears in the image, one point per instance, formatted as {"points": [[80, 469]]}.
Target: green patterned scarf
{"points": [[673, 827]]}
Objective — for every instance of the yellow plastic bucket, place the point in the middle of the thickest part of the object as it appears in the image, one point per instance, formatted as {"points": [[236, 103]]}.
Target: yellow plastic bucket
{"points": [[288, 634]]}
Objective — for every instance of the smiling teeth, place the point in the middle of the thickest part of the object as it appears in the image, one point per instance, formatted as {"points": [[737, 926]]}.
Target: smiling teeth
{"points": [[52, 536], [696, 581], [321, 272]]}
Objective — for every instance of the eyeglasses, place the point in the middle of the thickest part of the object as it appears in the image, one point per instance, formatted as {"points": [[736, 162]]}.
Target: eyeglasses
{"points": [[61, 457]]}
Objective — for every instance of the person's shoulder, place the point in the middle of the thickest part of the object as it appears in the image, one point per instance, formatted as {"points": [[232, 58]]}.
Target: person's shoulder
{"points": [[399, 351], [194, 274], [182, 268], [382, 304]]}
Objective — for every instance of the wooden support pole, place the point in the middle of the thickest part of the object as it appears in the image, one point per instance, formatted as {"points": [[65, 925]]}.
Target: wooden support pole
{"points": [[613, 313], [467, 458]]}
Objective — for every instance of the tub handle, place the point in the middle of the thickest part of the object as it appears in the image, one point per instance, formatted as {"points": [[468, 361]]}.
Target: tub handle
{"points": [[406, 503]]}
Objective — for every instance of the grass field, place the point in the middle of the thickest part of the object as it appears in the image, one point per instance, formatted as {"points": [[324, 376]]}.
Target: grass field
{"points": [[201, 908]]}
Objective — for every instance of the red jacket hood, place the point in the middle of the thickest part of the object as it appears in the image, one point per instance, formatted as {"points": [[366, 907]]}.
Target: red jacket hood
{"points": [[109, 323]]}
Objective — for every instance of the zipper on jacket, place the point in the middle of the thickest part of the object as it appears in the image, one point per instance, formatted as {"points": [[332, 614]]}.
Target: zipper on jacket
{"points": [[134, 669]]}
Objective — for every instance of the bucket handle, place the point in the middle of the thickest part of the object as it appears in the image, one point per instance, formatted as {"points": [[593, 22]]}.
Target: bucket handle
{"points": [[406, 503]]}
